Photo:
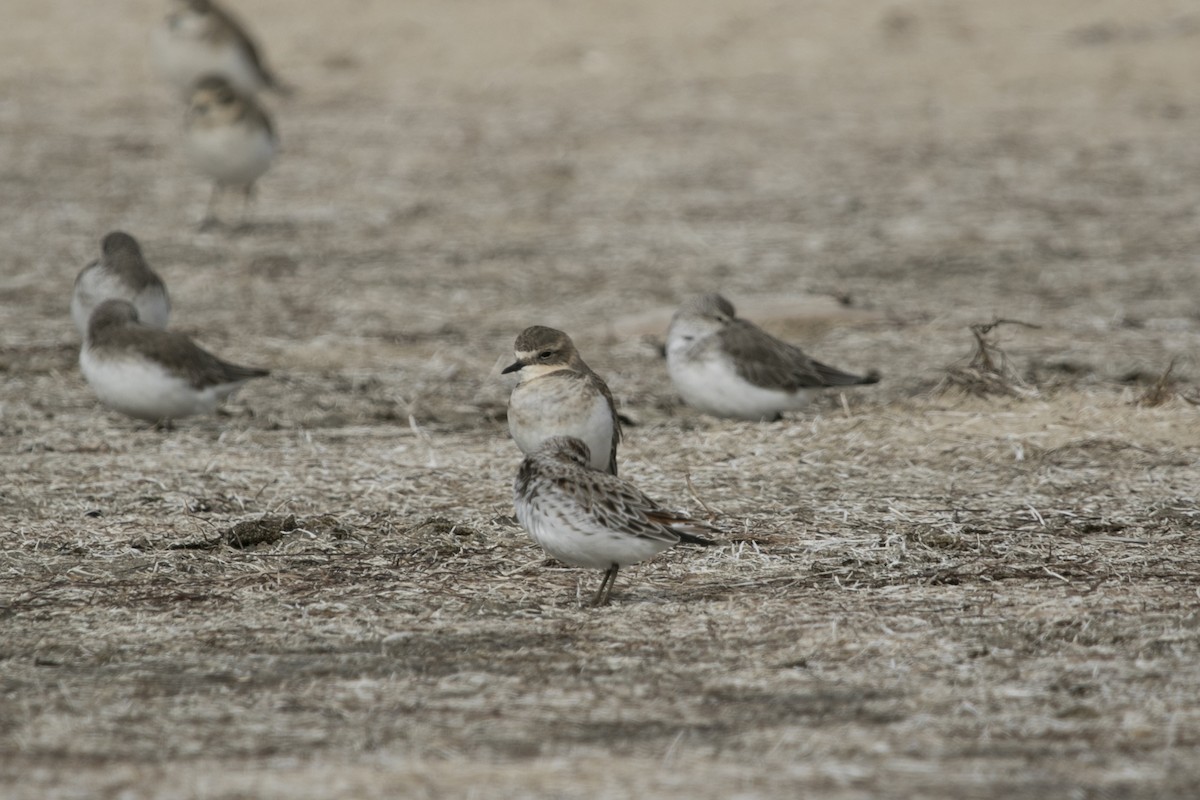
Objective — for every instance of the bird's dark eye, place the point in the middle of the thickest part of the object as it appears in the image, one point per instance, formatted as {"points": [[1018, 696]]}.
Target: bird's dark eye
{"points": [[545, 355]]}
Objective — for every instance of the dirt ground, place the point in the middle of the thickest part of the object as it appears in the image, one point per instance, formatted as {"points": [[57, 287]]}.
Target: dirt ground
{"points": [[921, 592]]}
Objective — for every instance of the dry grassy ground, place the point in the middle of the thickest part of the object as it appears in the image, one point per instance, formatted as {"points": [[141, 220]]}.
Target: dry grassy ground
{"points": [[921, 594]]}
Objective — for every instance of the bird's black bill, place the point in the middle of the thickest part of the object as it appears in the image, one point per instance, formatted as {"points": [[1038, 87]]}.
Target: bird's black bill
{"points": [[516, 365]]}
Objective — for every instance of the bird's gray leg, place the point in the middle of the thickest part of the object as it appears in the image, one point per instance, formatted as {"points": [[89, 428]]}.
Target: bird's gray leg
{"points": [[602, 596], [247, 200], [210, 220]]}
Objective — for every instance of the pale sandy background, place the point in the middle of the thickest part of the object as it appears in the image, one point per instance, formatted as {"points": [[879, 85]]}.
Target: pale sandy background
{"points": [[922, 594]]}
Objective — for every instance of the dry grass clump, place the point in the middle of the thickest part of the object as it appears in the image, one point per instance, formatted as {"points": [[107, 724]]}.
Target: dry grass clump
{"points": [[988, 371], [987, 593], [1164, 389]]}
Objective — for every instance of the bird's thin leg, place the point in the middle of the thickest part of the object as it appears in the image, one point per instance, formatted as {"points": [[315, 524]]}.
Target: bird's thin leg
{"points": [[210, 213], [247, 200], [602, 596], [600, 592]]}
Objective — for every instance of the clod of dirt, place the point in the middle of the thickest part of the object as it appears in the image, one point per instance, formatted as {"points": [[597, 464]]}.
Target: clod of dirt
{"points": [[442, 538], [265, 530], [327, 524], [273, 265]]}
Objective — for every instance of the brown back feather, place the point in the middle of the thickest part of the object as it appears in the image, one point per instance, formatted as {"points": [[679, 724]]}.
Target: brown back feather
{"points": [[770, 363], [114, 329]]}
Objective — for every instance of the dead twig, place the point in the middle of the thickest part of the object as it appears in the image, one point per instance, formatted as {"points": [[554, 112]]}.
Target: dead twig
{"points": [[1162, 390], [988, 372], [687, 477]]}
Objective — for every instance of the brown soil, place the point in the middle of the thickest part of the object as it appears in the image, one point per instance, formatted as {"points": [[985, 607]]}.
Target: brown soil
{"points": [[955, 584]]}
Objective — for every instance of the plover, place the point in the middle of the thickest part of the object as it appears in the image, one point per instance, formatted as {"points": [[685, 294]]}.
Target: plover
{"points": [[229, 138], [588, 518], [559, 395], [120, 273], [729, 367], [153, 375], [200, 38]]}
